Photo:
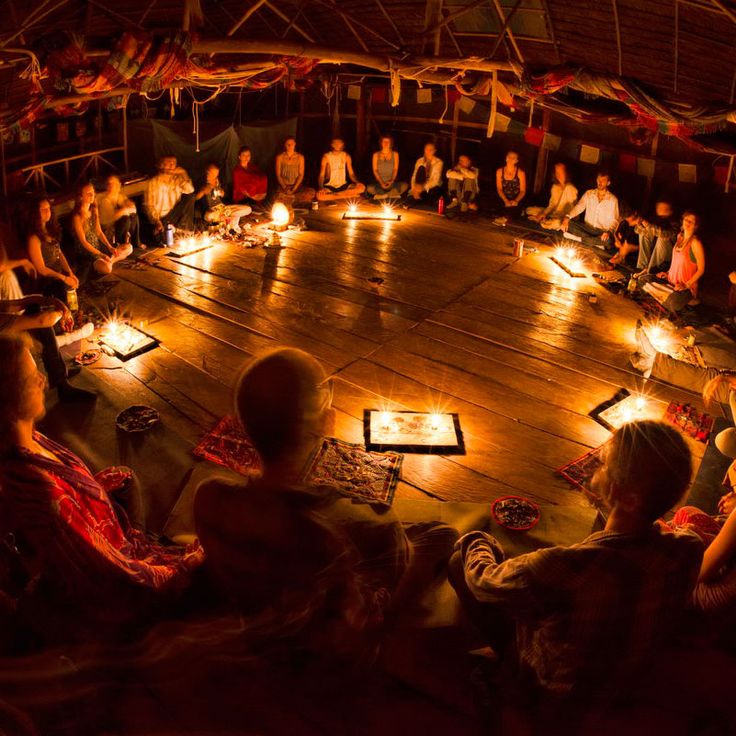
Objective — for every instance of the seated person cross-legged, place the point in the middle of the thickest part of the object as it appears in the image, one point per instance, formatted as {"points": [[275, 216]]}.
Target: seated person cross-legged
{"points": [[426, 180], [55, 275], [210, 207], [385, 165], [93, 566], [562, 199], [290, 176], [169, 198], [118, 215], [601, 215], [625, 239], [93, 251], [250, 184], [678, 287], [38, 314], [337, 179], [462, 185], [283, 401], [590, 619], [510, 187], [657, 237]]}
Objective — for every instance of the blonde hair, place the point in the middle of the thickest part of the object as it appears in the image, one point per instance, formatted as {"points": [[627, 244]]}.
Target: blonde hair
{"points": [[651, 460]]}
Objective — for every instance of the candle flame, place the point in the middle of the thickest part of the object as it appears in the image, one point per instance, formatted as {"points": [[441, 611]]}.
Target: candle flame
{"points": [[280, 214]]}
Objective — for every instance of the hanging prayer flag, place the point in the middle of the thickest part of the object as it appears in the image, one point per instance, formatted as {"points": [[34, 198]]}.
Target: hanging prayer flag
{"points": [[688, 173], [627, 163], [9, 136], [379, 94], [534, 136], [24, 135], [645, 167], [452, 94], [62, 132], [466, 105], [502, 123], [80, 128], [424, 96], [551, 142], [354, 91], [590, 154]]}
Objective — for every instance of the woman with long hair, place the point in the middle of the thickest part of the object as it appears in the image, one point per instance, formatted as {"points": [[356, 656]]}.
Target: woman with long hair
{"points": [[43, 235], [290, 175], [92, 565], [510, 186], [385, 164], [93, 249]]}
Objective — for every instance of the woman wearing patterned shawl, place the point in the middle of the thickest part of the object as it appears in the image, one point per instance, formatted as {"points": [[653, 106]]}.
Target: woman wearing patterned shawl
{"points": [[72, 537]]}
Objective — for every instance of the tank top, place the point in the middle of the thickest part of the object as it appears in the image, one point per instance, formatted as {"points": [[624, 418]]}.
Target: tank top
{"points": [[510, 187], [89, 227], [336, 164], [385, 167], [51, 253], [289, 170], [684, 266]]}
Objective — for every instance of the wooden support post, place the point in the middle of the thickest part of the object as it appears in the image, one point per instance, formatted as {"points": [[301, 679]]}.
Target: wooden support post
{"points": [[125, 134], [361, 130], [653, 151], [677, 44], [540, 173], [453, 134], [432, 20], [2, 162]]}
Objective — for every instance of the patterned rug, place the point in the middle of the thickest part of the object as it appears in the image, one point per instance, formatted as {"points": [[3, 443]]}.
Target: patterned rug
{"points": [[344, 467], [579, 473], [689, 421], [228, 445], [352, 471]]}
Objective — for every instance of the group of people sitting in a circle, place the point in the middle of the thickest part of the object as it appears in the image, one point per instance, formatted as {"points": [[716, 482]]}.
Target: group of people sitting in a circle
{"points": [[329, 574]]}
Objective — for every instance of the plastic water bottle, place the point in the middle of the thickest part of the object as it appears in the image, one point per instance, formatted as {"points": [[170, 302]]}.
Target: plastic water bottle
{"points": [[169, 235], [71, 300], [441, 206]]}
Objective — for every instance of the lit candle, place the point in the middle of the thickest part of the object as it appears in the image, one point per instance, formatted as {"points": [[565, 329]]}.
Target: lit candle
{"points": [[352, 209], [434, 421], [385, 419], [640, 403], [280, 214], [570, 254]]}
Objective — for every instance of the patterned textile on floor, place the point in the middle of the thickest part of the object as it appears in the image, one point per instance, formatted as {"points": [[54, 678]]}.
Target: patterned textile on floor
{"points": [[689, 421], [579, 472], [228, 445], [352, 471]]}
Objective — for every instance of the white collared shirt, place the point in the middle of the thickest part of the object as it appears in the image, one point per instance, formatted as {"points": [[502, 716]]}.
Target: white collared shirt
{"points": [[434, 172], [601, 214], [561, 200]]}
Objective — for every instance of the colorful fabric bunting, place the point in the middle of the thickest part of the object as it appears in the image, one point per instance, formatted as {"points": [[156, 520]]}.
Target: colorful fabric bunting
{"points": [[590, 154], [354, 91], [627, 163], [645, 167], [551, 142], [688, 173], [534, 136], [424, 95]]}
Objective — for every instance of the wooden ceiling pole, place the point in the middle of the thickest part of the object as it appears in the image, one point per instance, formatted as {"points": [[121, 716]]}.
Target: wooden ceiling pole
{"points": [[351, 21], [388, 17], [677, 44], [725, 9], [451, 17], [328, 54], [432, 18], [509, 32], [243, 18], [551, 28], [148, 9], [274, 9], [618, 38], [504, 28]]}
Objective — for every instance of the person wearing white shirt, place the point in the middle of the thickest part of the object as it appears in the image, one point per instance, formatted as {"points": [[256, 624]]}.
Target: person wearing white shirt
{"points": [[562, 199], [426, 181], [601, 214], [168, 199]]}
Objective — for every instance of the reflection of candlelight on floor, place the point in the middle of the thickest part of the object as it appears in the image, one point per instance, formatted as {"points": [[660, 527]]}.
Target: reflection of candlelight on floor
{"points": [[125, 339], [192, 244], [387, 213], [568, 260]]}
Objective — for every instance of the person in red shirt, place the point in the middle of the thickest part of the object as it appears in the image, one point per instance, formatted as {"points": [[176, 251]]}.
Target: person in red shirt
{"points": [[250, 184]]}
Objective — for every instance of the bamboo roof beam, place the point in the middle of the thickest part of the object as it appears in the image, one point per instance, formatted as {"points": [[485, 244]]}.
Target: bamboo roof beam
{"points": [[509, 33], [451, 17], [353, 21], [504, 28], [393, 25], [274, 9], [331, 55], [243, 18]]}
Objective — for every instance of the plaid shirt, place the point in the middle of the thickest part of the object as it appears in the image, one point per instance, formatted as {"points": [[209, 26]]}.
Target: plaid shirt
{"points": [[592, 613]]}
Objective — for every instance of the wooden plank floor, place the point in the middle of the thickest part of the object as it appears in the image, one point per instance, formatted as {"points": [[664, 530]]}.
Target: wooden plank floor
{"points": [[457, 323]]}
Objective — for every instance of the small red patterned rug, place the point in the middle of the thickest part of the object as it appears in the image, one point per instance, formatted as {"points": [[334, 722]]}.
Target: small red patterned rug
{"points": [[228, 445]]}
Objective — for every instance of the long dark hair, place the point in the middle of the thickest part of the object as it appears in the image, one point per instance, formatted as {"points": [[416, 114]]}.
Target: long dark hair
{"points": [[34, 226], [78, 201]]}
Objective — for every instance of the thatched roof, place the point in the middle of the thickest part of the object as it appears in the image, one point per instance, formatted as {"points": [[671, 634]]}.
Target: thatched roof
{"points": [[674, 51]]}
